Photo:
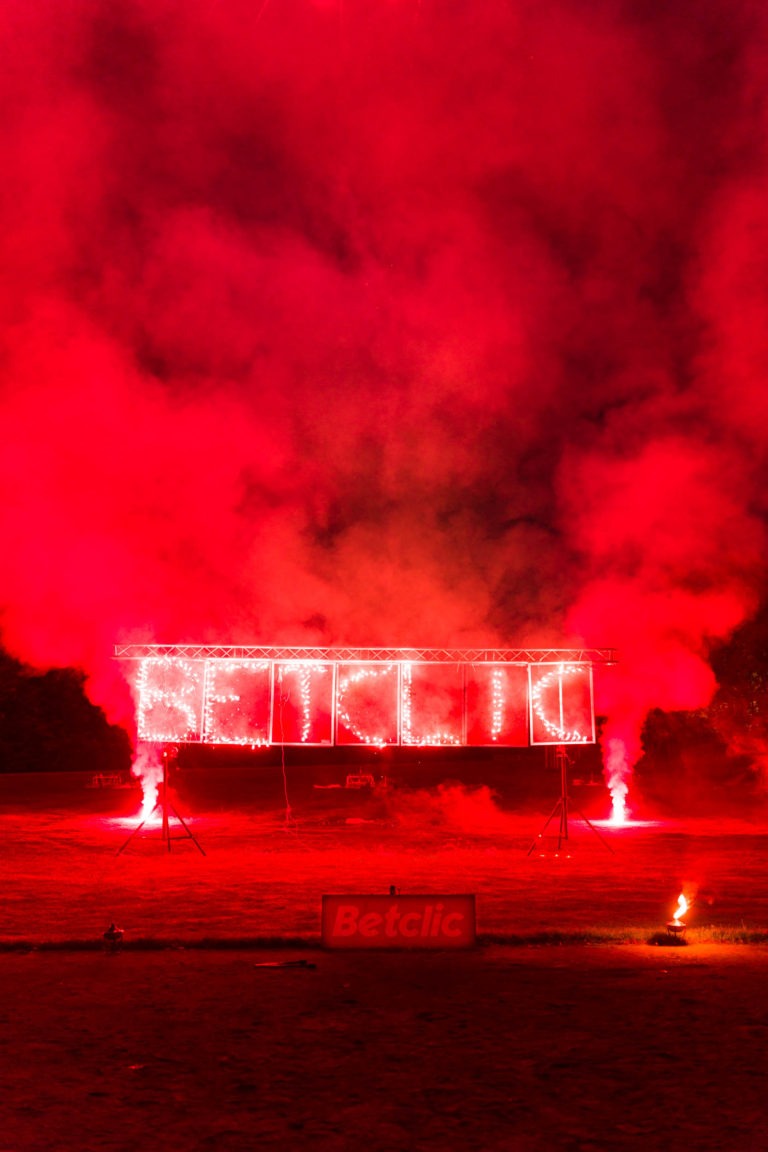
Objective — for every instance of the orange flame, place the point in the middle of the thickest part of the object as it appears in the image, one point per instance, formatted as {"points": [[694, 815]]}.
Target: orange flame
{"points": [[682, 908]]}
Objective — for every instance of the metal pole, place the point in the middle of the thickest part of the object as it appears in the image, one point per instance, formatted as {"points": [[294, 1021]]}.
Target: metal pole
{"points": [[204, 703], [563, 757], [166, 834]]}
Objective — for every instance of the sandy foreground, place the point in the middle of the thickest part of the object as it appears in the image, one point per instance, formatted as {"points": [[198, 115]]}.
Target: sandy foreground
{"points": [[189, 1039]]}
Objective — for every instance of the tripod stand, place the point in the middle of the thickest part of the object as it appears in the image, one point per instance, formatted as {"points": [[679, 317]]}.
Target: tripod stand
{"points": [[166, 809], [560, 809]]}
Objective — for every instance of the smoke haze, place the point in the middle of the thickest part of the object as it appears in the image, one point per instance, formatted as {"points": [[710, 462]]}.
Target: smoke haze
{"points": [[385, 323]]}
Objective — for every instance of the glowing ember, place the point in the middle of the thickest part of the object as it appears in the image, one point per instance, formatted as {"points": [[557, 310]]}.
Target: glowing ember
{"points": [[235, 702], [497, 691], [347, 682], [433, 737], [262, 701], [305, 688], [169, 694], [682, 908], [558, 733], [301, 674]]}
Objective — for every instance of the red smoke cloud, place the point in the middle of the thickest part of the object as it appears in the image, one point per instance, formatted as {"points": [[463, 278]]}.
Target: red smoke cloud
{"points": [[389, 323]]}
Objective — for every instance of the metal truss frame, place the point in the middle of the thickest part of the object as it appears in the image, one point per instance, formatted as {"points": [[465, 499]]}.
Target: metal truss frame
{"points": [[373, 655]]}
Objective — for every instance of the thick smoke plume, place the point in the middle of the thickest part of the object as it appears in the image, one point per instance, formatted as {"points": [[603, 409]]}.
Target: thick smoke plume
{"points": [[454, 807], [148, 769], [392, 322]]}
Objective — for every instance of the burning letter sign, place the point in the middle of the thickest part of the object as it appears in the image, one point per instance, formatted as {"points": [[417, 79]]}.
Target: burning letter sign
{"points": [[399, 921], [375, 702]]}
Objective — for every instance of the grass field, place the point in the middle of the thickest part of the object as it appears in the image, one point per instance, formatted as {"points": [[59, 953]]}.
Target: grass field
{"points": [[263, 875], [185, 1039]]}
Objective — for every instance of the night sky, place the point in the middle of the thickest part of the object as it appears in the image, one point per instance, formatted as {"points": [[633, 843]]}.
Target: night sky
{"points": [[385, 322]]}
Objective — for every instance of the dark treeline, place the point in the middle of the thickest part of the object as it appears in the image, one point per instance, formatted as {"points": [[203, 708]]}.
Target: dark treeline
{"points": [[48, 724], [701, 759]]}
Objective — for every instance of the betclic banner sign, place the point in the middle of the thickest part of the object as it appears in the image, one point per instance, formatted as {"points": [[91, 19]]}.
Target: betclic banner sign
{"points": [[396, 922]]}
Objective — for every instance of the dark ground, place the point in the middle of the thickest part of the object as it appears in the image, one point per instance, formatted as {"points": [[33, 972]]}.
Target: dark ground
{"points": [[599, 1047], [614, 1045]]}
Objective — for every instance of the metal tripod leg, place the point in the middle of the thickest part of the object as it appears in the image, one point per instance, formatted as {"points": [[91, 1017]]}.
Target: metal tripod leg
{"points": [[166, 830], [561, 808], [591, 826], [188, 831], [164, 806], [557, 810], [134, 833]]}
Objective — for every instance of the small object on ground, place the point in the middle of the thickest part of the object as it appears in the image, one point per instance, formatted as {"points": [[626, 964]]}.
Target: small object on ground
{"points": [[360, 780], [109, 780], [676, 926], [285, 964], [668, 940], [394, 890], [113, 937]]}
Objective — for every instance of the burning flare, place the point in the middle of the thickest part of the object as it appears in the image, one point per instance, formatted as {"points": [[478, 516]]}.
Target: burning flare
{"points": [[148, 770], [682, 908], [616, 770], [619, 805]]}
